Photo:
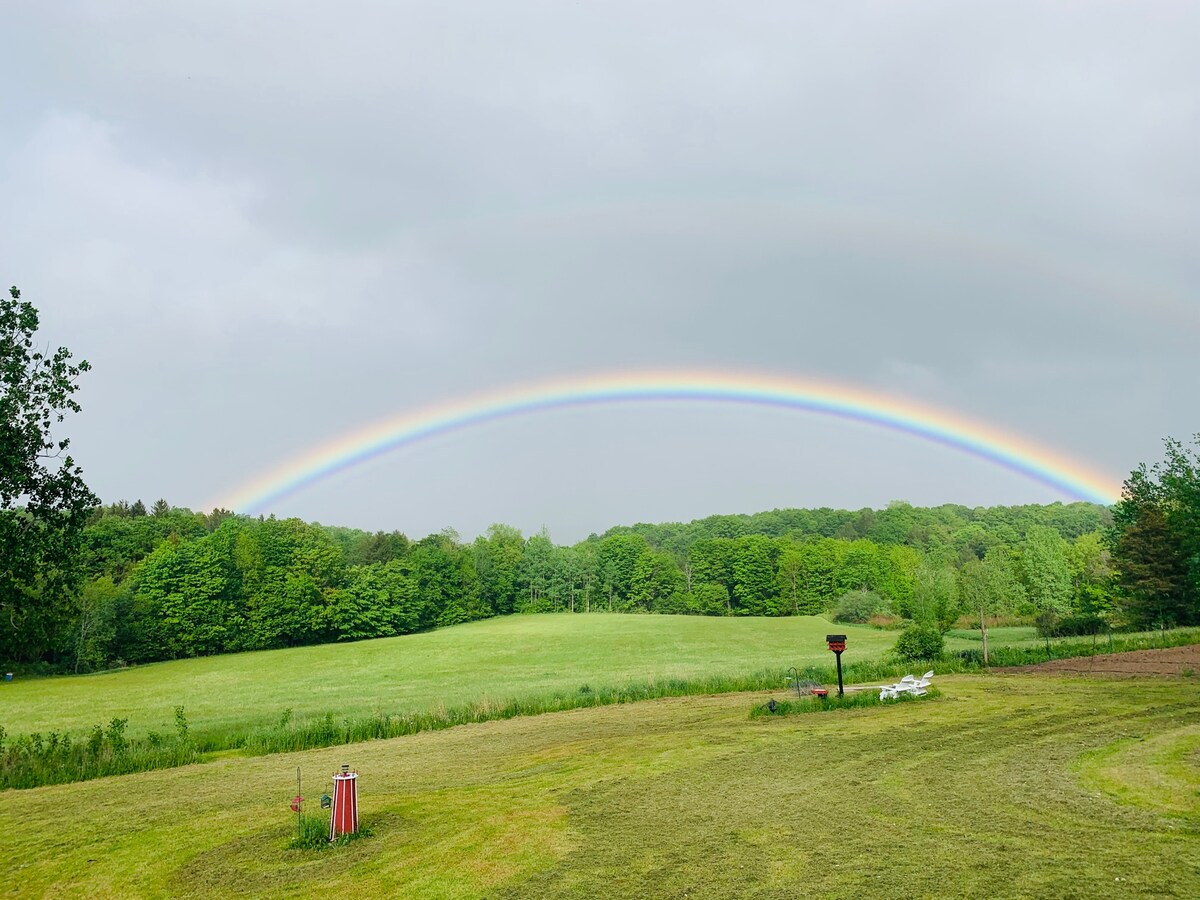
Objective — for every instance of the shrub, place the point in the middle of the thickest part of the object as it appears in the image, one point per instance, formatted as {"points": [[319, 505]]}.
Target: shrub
{"points": [[920, 642], [857, 607], [1077, 624], [1047, 621], [312, 833]]}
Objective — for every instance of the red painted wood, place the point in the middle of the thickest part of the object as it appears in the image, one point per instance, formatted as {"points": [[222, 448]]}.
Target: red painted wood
{"points": [[344, 816]]}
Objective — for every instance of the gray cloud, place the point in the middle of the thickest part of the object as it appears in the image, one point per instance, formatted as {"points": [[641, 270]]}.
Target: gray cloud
{"points": [[268, 224]]}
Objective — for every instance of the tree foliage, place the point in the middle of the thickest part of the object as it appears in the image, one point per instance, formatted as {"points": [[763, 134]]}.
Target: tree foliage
{"points": [[173, 583], [44, 502], [1155, 540]]}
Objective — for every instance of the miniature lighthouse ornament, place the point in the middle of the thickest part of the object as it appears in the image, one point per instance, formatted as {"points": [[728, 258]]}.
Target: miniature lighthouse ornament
{"points": [[344, 819]]}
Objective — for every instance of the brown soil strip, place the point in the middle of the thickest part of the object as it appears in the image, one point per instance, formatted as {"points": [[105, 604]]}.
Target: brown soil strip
{"points": [[1171, 661]]}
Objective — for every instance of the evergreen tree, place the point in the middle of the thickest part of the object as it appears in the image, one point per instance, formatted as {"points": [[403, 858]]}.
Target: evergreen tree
{"points": [[1155, 540]]}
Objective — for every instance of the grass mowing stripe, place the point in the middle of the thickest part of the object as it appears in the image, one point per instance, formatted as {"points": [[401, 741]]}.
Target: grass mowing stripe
{"points": [[972, 796]]}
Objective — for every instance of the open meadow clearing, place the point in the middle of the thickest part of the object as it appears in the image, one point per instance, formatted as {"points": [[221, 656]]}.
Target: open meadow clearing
{"points": [[505, 658], [502, 658], [1005, 786]]}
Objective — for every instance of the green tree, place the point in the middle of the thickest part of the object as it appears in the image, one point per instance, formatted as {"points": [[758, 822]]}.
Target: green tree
{"points": [[1045, 571], [857, 606], [935, 595], [710, 599], [44, 503], [498, 566], [1155, 540], [99, 607], [656, 578], [617, 558], [1091, 575], [988, 586], [536, 575], [754, 586]]}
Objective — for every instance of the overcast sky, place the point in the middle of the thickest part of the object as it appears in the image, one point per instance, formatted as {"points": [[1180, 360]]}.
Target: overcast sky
{"points": [[268, 223]]}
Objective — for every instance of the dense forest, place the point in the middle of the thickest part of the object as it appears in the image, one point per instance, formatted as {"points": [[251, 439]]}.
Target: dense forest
{"points": [[166, 582]]}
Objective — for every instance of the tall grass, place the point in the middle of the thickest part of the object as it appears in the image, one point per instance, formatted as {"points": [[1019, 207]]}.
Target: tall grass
{"points": [[855, 700], [305, 734], [34, 760]]}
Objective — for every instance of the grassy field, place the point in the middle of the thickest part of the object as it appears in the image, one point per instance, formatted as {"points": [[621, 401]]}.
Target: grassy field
{"points": [[1005, 786], [509, 658], [502, 658]]}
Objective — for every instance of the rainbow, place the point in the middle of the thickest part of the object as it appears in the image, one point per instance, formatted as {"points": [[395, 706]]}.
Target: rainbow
{"points": [[1070, 476]]}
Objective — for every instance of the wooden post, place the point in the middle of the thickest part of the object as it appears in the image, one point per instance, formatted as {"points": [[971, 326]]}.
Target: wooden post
{"points": [[983, 629]]}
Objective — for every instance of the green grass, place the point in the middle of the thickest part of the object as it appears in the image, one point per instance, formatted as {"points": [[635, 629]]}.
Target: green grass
{"points": [[1016, 786], [1008, 636], [501, 659], [852, 700], [339, 694]]}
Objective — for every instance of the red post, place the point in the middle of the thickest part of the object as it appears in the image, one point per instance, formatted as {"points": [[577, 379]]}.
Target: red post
{"points": [[344, 818]]}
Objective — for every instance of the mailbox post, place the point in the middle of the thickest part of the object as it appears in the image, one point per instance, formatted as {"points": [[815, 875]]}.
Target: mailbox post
{"points": [[837, 643]]}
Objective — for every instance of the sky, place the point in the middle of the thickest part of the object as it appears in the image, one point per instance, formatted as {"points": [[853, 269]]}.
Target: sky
{"points": [[269, 224]]}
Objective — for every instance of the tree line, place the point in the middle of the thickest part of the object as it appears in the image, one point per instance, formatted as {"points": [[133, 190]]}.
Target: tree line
{"points": [[166, 582]]}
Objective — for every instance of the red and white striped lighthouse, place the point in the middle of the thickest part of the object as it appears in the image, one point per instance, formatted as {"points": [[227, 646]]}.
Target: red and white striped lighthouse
{"points": [[344, 819]]}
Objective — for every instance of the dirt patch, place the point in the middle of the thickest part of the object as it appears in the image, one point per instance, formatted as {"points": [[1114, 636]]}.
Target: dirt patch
{"points": [[1170, 661]]}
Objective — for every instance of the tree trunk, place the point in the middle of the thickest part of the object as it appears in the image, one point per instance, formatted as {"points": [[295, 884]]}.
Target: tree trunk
{"points": [[983, 630]]}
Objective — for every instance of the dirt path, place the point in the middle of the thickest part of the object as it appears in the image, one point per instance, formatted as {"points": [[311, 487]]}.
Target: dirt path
{"points": [[1171, 661]]}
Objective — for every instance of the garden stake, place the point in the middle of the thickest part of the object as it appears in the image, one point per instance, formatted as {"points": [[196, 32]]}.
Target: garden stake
{"points": [[795, 680]]}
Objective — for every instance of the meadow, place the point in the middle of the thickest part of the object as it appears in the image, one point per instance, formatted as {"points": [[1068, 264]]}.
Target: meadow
{"points": [[502, 658], [497, 668], [1003, 786]]}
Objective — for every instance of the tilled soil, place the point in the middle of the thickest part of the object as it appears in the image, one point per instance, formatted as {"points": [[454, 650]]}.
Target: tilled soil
{"points": [[1171, 661]]}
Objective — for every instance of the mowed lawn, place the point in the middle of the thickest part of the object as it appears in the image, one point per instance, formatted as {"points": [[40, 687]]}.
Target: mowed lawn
{"points": [[512, 657], [1005, 786]]}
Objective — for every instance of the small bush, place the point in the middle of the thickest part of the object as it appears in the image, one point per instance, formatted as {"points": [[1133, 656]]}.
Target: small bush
{"points": [[312, 833], [1046, 622], [920, 642], [856, 607], [1078, 625]]}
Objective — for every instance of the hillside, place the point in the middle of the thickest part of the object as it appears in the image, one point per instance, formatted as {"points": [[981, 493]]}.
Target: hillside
{"points": [[501, 658], [1011, 786]]}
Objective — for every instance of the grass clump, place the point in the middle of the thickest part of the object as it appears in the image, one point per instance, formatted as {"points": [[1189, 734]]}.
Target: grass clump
{"points": [[853, 700], [313, 834]]}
